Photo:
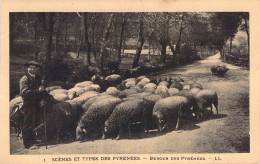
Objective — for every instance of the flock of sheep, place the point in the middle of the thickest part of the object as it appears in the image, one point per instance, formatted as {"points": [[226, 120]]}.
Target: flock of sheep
{"points": [[108, 107]]}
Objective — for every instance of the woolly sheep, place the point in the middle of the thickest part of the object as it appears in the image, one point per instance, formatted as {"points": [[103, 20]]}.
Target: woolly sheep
{"points": [[177, 85], [151, 100], [76, 90], [58, 91], [121, 87], [149, 87], [124, 115], [165, 83], [92, 87], [162, 91], [190, 82], [96, 79], [14, 102], [177, 79], [169, 109], [131, 82], [196, 85], [93, 120], [95, 99], [139, 95], [173, 91], [114, 92], [114, 79], [49, 89], [193, 103], [205, 98], [62, 118], [61, 97], [72, 95], [138, 79], [137, 89], [186, 87], [84, 97], [128, 92], [195, 90], [143, 82], [83, 84]]}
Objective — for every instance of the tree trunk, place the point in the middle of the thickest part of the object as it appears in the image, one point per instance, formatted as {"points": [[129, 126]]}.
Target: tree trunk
{"points": [[230, 46], [11, 33], [163, 52], [121, 37], [36, 53], [65, 33], [84, 30], [57, 34], [140, 43], [104, 40], [49, 32], [248, 36]]}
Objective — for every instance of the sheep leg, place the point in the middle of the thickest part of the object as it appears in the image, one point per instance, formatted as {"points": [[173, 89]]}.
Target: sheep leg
{"points": [[178, 120], [178, 124], [129, 131], [103, 132], [58, 136], [120, 133], [216, 108], [210, 109]]}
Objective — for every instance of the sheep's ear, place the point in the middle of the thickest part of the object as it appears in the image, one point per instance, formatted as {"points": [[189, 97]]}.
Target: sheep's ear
{"points": [[84, 130]]}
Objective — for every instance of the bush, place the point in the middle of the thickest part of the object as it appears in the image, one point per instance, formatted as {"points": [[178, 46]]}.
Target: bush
{"points": [[188, 54]]}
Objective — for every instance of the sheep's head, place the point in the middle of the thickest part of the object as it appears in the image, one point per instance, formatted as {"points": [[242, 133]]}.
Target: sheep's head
{"points": [[72, 95], [80, 133]]}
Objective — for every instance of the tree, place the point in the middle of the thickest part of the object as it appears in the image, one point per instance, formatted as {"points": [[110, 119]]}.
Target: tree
{"points": [[140, 42], [225, 26], [245, 27], [121, 36], [104, 41]]}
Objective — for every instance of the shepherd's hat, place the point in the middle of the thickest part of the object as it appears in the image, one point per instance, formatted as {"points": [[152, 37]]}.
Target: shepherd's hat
{"points": [[32, 63]]}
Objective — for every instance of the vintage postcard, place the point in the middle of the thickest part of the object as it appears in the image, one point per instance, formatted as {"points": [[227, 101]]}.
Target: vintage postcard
{"points": [[130, 81]]}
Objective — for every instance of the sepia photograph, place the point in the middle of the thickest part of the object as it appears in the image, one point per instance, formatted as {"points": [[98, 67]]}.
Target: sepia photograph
{"points": [[124, 82], [147, 82]]}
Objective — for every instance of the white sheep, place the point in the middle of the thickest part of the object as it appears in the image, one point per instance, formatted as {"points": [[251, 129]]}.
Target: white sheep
{"points": [[92, 87], [186, 87], [205, 98], [162, 90], [195, 90], [149, 87], [49, 89], [173, 91], [83, 84], [60, 97], [128, 83], [169, 109], [84, 97], [143, 82], [58, 91]]}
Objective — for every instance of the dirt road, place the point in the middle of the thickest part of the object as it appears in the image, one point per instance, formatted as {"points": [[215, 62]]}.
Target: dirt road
{"points": [[227, 132]]}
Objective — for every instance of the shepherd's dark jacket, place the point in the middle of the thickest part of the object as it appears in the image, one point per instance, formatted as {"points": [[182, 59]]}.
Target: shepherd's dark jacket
{"points": [[29, 90]]}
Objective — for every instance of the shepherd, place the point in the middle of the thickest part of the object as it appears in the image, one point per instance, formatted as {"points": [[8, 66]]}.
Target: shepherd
{"points": [[32, 91]]}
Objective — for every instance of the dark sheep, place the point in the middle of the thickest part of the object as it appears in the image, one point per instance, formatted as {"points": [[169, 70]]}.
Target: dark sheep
{"points": [[61, 118], [190, 96], [177, 85], [92, 122], [114, 80], [219, 70], [124, 115], [196, 85]]}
